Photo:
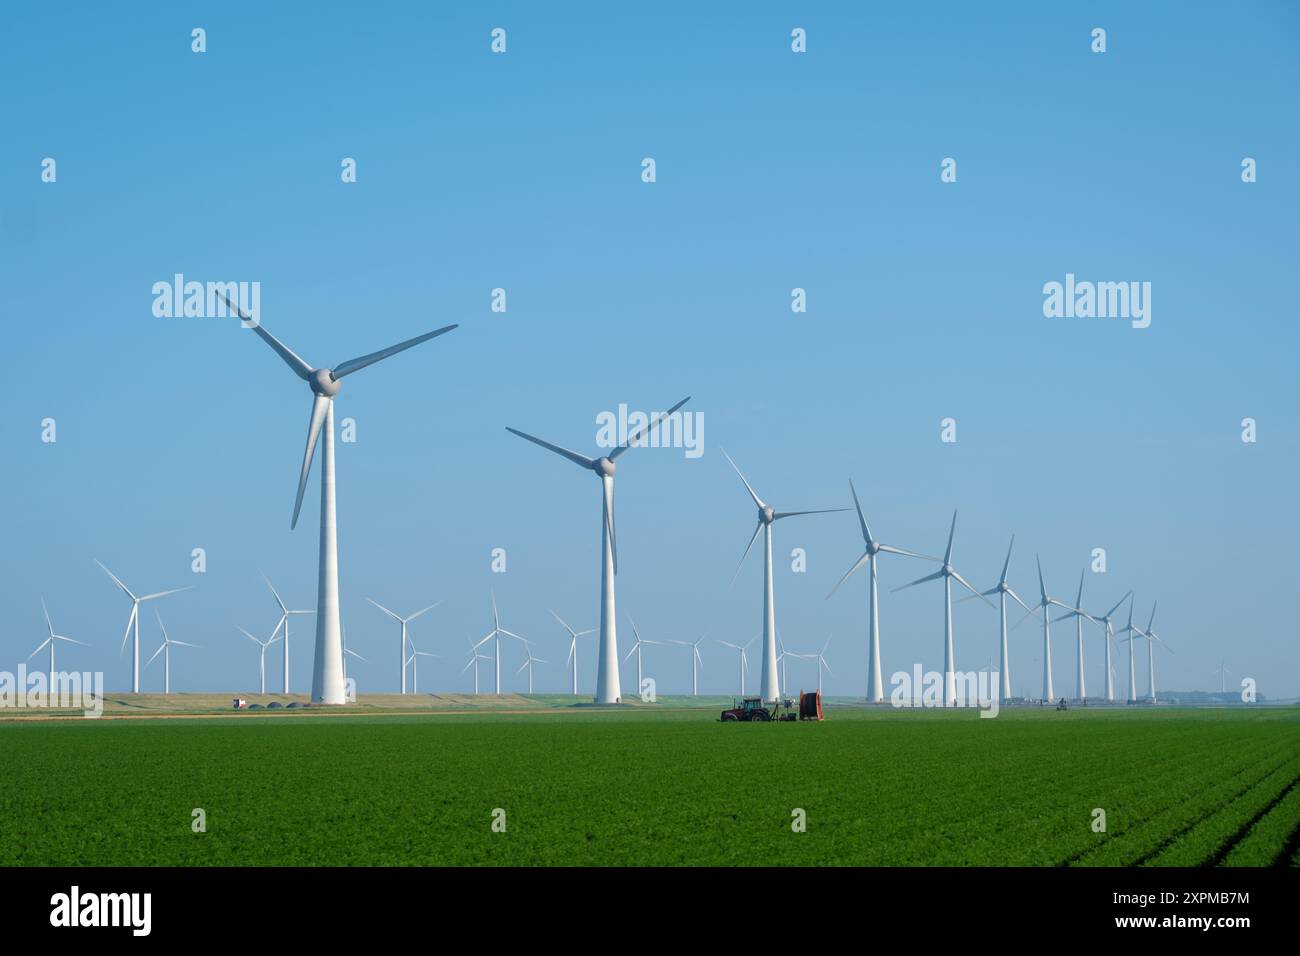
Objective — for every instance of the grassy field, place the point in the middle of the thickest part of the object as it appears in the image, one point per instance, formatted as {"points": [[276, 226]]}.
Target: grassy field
{"points": [[655, 785]]}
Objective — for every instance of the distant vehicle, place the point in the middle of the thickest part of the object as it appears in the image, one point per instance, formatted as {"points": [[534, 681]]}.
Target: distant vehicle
{"points": [[240, 703], [752, 709]]}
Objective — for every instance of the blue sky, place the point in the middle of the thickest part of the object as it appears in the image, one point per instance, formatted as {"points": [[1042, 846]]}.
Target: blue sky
{"points": [[774, 171]]}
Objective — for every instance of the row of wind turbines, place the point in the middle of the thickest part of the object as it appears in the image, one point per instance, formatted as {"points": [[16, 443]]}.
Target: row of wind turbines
{"points": [[330, 656]]}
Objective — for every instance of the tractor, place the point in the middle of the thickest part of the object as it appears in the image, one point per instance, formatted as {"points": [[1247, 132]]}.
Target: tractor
{"points": [[753, 709]]}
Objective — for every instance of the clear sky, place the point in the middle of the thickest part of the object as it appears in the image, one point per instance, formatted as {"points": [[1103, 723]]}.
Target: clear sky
{"points": [[775, 170]]}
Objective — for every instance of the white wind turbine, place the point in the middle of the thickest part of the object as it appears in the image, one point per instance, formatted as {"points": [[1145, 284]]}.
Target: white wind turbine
{"points": [[495, 636], [608, 689], [1109, 632], [261, 662], [875, 685], [529, 664], [50, 641], [133, 623], [948, 574], [744, 660], [1133, 634], [165, 649], [767, 516], [572, 659], [696, 662], [416, 654], [1221, 670], [820, 658], [1004, 590], [403, 622], [1078, 614], [1045, 604], [327, 673], [1152, 640], [285, 614], [636, 649], [474, 658]]}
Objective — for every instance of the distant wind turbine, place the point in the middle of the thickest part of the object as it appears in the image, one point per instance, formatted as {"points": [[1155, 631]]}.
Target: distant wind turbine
{"points": [[572, 659], [1045, 604], [1004, 590], [165, 649], [133, 623], [768, 516], [495, 636], [403, 622], [696, 662], [347, 651], [1221, 670], [875, 685], [528, 663], [474, 658], [1079, 615], [744, 660], [636, 649], [285, 614], [50, 641], [416, 654], [608, 690], [261, 661], [327, 676], [1108, 627]]}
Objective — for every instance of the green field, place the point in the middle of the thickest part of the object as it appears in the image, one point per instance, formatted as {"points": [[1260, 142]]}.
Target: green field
{"points": [[649, 786]]}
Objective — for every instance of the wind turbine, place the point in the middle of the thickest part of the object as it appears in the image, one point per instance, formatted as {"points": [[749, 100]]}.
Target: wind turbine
{"points": [[165, 649], [474, 658], [636, 649], [1152, 639], [133, 623], [403, 622], [261, 664], [744, 660], [696, 662], [51, 640], [608, 689], [1077, 612], [767, 516], [573, 647], [285, 614], [1133, 633], [529, 664], [1045, 603], [875, 685], [495, 635], [820, 658], [347, 651], [416, 654], [948, 573], [1221, 670], [327, 674], [1105, 622], [1003, 591]]}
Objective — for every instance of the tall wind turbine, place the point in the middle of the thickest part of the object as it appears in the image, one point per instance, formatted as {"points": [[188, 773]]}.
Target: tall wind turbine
{"points": [[608, 689], [767, 516], [1105, 621], [474, 658], [133, 623], [1133, 634], [820, 658], [403, 622], [744, 660], [1045, 604], [875, 685], [636, 649], [696, 663], [1004, 590], [285, 614], [1078, 614], [1152, 640], [261, 661], [572, 659], [948, 573], [529, 664], [416, 654], [327, 673], [495, 636], [165, 649], [51, 640]]}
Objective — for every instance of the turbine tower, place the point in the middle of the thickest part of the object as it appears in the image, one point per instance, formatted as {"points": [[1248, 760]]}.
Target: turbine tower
{"points": [[1109, 631], [404, 658], [494, 635], [285, 614], [51, 640], [327, 672], [1078, 614], [529, 664], [165, 649], [875, 685], [948, 573], [769, 685], [1045, 604], [744, 660], [608, 690], [1004, 590], [1152, 640], [133, 623], [572, 659], [1133, 633]]}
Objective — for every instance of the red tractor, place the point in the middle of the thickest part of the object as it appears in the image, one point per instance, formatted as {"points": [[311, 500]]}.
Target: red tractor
{"points": [[753, 709]]}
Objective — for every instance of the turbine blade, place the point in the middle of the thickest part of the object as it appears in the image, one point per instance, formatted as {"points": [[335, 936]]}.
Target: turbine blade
{"points": [[903, 551], [1007, 563], [275, 593], [947, 555], [792, 514], [39, 649], [135, 610], [356, 364], [1019, 600], [300, 368], [757, 528], [49, 625], [1117, 604], [862, 521], [928, 577], [158, 594], [116, 581], [1042, 586], [573, 456], [645, 429], [608, 487], [319, 406], [752, 493], [391, 614], [967, 585], [423, 611], [847, 574]]}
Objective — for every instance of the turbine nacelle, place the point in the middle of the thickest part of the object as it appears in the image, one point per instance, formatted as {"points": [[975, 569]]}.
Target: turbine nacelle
{"points": [[322, 382], [604, 466], [766, 514]]}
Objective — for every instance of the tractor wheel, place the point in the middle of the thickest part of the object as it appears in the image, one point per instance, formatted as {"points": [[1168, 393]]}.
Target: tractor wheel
{"points": [[761, 716], [729, 718]]}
